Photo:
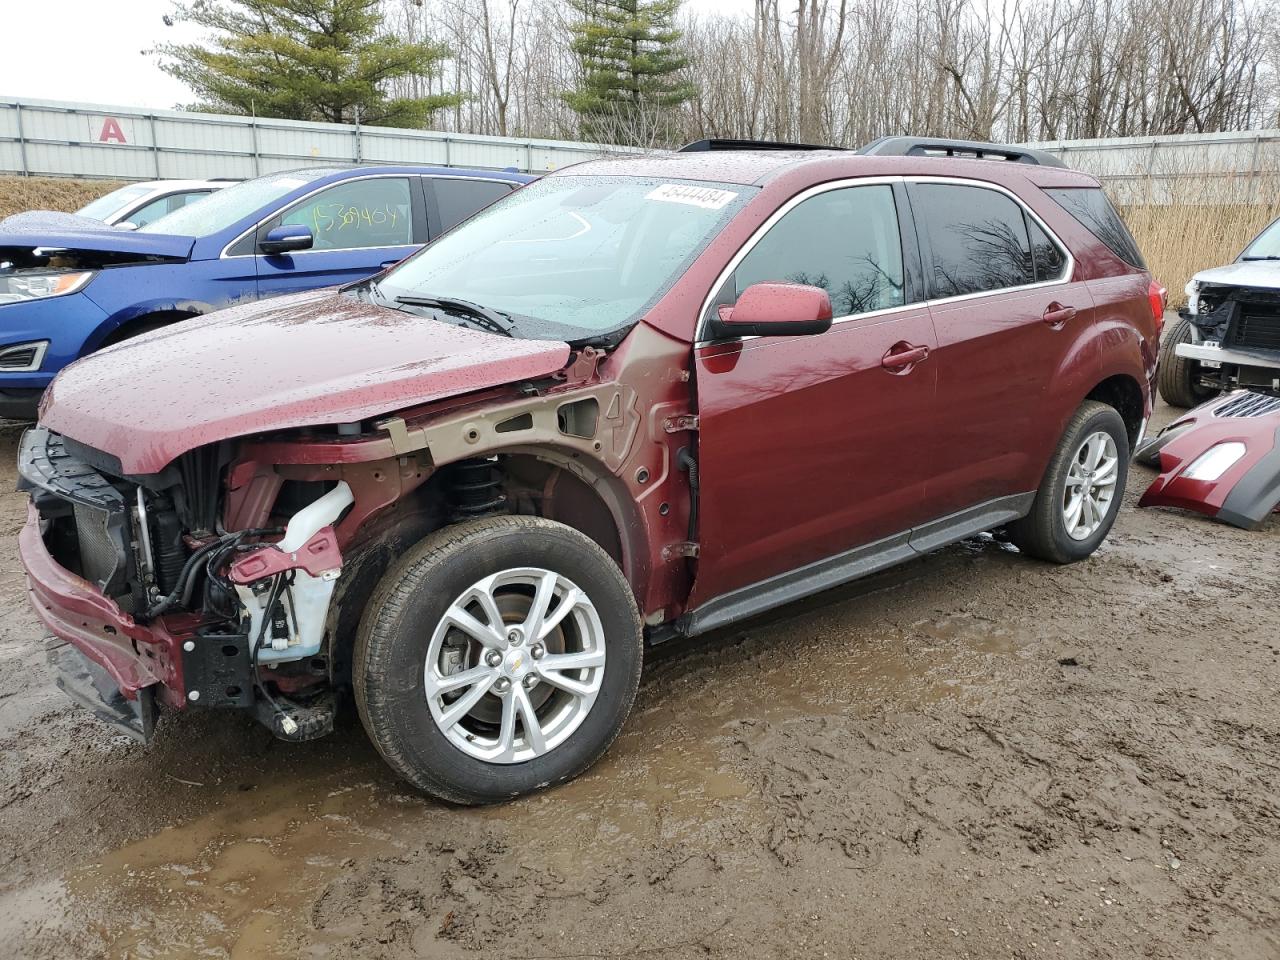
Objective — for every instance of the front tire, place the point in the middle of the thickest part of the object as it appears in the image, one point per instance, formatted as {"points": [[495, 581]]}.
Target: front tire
{"points": [[499, 656], [1179, 378], [1080, 494]]}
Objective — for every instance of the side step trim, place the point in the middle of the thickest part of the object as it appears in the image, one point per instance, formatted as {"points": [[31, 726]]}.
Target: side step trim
{"points": [[994, 513], [853, 564]]}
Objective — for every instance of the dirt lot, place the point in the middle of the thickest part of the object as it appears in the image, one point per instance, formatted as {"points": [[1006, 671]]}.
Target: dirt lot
{"points": [[974, 756]]}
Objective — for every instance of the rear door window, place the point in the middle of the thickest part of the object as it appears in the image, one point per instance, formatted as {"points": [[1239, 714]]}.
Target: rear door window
{"points": [[846, 241], [458, 199], [975, 239], [1091, 207]]}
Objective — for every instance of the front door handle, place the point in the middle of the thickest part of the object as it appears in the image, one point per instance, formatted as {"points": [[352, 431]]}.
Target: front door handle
{"points": [[1056, 315], [902, 356]]}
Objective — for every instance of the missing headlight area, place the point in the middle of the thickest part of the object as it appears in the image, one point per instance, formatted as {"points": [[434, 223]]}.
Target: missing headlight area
{"points": [[1239, 316]]}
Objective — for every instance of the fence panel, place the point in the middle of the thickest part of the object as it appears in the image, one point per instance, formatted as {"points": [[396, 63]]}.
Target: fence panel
{"points": [[55, 138], [1210, 168]]}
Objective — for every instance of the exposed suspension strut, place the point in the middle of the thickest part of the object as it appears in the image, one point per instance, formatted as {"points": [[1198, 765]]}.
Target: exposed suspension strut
{"points": [[476, 488]]}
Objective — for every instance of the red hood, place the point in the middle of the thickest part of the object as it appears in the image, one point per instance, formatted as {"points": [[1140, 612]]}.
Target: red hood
{"points": [[307, 360]]}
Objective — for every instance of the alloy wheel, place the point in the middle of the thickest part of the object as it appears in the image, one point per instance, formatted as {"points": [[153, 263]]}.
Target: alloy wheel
{"points": [[1091, 485], [514, 665]]}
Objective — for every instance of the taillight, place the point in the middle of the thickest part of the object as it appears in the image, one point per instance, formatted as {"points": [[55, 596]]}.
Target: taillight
{"points": [[1159, 298]]}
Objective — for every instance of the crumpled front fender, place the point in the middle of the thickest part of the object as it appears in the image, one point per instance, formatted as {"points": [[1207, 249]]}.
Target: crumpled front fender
{"points": [[1242, 431]]}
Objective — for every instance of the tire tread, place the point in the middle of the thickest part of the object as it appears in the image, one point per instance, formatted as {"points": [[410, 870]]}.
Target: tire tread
{"points": [[1176, 377]]}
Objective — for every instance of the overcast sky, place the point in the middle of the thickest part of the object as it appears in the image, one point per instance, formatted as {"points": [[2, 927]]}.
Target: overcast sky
{"points": [[91, 50]]}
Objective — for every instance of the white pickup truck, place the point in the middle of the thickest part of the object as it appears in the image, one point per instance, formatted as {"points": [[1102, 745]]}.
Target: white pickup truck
{"points": [[1229, 334]]}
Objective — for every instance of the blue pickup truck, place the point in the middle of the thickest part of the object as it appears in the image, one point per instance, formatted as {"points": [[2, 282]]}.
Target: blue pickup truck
{"points": [[68, 288]]}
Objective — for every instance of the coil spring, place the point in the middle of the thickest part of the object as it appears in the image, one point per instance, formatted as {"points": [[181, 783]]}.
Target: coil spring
{"points": [[476, 486]]}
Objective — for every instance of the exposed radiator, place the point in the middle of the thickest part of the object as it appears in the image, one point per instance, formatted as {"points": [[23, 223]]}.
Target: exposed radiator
{"points": [[1256, 330]]}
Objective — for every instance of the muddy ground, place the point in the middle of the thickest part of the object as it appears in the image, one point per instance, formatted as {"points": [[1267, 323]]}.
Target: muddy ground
{"points": [[976, 756]]}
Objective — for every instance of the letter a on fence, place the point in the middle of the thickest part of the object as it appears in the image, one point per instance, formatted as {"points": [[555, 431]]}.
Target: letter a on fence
{"points": [[111, 132]]}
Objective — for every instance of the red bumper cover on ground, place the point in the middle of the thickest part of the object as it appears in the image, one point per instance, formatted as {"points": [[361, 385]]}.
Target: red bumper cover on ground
{"points": [[1243, 430]]}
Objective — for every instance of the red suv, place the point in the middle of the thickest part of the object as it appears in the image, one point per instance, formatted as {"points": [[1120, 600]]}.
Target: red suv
{"points": [[638, 399]]}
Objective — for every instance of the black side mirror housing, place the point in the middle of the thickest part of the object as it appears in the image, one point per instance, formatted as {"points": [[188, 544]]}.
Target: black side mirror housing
{"points": [[287, 239]]}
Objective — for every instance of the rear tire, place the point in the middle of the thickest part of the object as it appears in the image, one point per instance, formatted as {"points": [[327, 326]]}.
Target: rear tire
{"points": [[473, 713], [1179, 377], [1053, 530]]}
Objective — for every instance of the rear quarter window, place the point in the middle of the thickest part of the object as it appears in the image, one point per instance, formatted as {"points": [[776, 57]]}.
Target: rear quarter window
{"points": [[1090, 206]]}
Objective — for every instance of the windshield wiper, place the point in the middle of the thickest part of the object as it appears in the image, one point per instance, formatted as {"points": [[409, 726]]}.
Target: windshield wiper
{"points": [[1270, 256], [489, 318]]}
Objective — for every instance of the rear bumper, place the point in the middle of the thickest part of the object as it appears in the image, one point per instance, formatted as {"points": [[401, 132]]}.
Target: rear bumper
{"points": [[135, 657]]}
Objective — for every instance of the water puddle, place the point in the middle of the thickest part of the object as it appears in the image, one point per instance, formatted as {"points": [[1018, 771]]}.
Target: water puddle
{"points": [[237, 882]]}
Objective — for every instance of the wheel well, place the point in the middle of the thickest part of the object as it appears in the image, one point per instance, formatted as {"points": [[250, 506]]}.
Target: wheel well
{"points": [[1123, 393], [143, 324], [530, 485], [543, 489]]}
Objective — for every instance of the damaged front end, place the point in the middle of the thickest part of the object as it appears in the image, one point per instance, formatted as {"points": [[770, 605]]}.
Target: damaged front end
{"points": [[156, 603], [237, 575], [1221, 459], [1236, 336], [36, 265]]}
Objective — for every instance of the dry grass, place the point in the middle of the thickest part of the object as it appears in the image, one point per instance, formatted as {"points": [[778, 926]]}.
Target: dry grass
{"points": [[1184, 238], [50, 193]]}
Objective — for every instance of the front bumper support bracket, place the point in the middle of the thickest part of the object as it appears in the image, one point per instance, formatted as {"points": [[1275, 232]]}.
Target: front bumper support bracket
{"points": [[93, 688]]}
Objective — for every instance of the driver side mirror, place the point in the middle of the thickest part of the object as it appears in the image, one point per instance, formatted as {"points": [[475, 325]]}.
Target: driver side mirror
{"points": [[776, 310], [287, 239]]}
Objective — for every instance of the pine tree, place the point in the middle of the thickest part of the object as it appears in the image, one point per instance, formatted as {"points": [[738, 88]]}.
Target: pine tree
{"points": [[302, 60], [631, 69]]}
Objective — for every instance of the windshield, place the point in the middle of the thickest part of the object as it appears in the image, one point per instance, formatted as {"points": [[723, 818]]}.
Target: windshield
{"points": [[105, 206], [1265, 246], [226, 207], [572, 257]]}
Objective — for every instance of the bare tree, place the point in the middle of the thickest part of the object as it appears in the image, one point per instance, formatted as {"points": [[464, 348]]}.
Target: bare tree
{"points": [[846, 71]]}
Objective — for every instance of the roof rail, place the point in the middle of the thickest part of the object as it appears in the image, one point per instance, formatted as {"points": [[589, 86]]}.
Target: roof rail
{"points": [[971, 149], [701, 146]]}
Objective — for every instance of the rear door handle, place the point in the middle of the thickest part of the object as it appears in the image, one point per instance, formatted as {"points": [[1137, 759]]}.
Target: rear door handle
{"points": [[902, 356], [1056, 315]]}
